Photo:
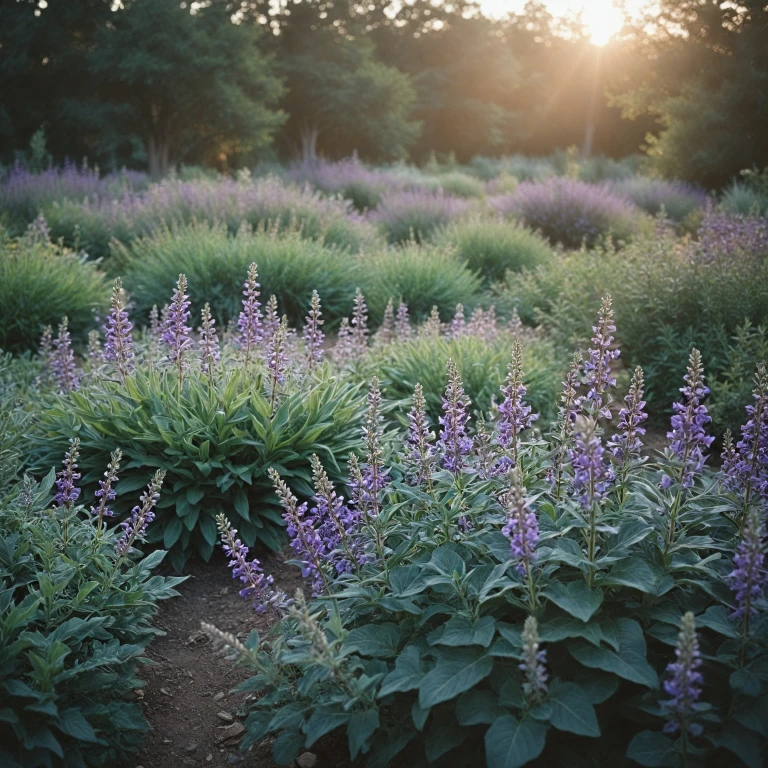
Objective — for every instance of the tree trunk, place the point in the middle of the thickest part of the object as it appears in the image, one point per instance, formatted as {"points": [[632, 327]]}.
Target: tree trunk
{"points": [[309, 134], [159, 151]]}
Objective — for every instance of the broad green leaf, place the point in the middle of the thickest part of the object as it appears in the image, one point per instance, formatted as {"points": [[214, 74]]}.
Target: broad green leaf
{"points": [[323, 722], [287, 747], [443, 735], [716, 619], [572, 710], [460, 631], [447, 562], [407, 580], [576, 598], [511, 744], [746, 745], [360, 728], [456, 671], [478, 708], [653, 749], [376, 640], [406, 675], [171, 532]]}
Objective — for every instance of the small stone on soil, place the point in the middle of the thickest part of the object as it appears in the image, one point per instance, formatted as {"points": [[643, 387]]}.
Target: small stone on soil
{"points": [[165, 692], [225, 716], [219, 696], [307, 760], [209, 757], [191, 747]]}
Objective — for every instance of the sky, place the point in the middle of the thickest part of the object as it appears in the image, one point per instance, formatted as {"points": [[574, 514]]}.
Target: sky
{"points": [[601, 17]]}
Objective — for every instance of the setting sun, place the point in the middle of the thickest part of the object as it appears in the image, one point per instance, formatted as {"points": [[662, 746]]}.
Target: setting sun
{"points": [[602, 19]]}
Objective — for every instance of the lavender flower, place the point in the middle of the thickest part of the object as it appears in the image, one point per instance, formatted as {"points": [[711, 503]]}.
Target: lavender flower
{"points": [[627, 443], [567, 413], [386, 331], [749, 577], [68, 493], [94, 354], [106, 492], [403, 330], [45, 350], [746, 467], [359, 324], [249, 323], [432, 325], [482, 324], [176, 329], [118, 347], [271, 317], [258, 585], [684, 681], [454, 442], [522, 528], [338, 524], [374, 471], [458, 323], [63, 370], [312, 334], [421, 455], [592, 472], [344, 351], [532, 663], [141, 515], [208, 343], [155, 329], [514, 412], [688, 438], [277, 364], [597, 368], [305, 540]]}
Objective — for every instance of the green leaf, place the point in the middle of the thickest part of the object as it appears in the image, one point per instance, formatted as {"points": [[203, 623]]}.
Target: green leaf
{"points": [[172, 532], [73, 723], [511, 744], [744, 681], [572, 710], [456, 671], [716, 619], [447, 562], [407, 580], [637, 574], [576, 598], [361, 727], [322, 722], [375, 640], [629, 662], [462, 631], [743, 743], [653, 749], [287, 747], [406, 675], [478, 708], [443, 735]]}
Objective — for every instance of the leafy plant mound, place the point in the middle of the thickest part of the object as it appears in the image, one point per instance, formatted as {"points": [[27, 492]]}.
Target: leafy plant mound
{"points": [[215, 442], [75, 617]]}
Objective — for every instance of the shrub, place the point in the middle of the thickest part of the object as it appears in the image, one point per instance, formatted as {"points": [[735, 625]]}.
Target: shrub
{"points": [[570, 212], [460, 185], [601, 168], [39, 284], [745, 199], [484, 617], [414, 214], [678, 198], [74, 622], [482, 364], [215, 264], [492, 246], [94, 223], [216, 444], [421, 276]]}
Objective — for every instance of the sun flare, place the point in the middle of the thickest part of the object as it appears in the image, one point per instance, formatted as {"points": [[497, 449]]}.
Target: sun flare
{"points": [[602, 20]]}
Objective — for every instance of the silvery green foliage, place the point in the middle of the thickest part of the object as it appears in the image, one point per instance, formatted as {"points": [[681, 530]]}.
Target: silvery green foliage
{"points": [[423, 654], [75, 618]]}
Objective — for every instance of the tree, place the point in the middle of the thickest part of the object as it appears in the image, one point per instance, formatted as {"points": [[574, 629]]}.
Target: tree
{"points": [[705, 82], [188, 83]]}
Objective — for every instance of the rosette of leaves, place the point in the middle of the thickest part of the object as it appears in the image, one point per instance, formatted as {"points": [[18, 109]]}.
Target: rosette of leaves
{"points": [[74, 623], [419, 653], [216, 444]]}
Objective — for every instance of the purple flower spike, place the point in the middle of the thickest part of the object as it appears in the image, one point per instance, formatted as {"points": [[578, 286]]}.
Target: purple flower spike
{"points": [[338, 524], [421, 455], [532, 663], [106, 492], [141, 516], [746, 466], [597, 368], [592, 472], [305, 540], [271, 318], [359, 324], [68, 493], [688, 438], [118, 347], [522, 528], [515, 414], [627, 443], [251, 330], [277, 363], [403, 330], [386, 331], [454, 442], [458, 323], [208, 343], [63, 369], [176, 329], [432, 326], [312, 334], [684, 681], [344, 351], [258, 585], [749, 578]]}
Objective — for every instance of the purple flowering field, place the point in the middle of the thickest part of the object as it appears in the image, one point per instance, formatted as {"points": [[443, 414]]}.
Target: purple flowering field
{"points": [[382, 466]]}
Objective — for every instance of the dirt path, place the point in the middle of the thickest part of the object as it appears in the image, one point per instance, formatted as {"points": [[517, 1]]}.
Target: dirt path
{"points": [[187, 697]]}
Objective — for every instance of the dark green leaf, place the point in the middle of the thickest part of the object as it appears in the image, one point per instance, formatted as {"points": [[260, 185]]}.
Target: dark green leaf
{"points": [[572, 710], [511, 744], [576, 598], [653, 749], [456, 671]]}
